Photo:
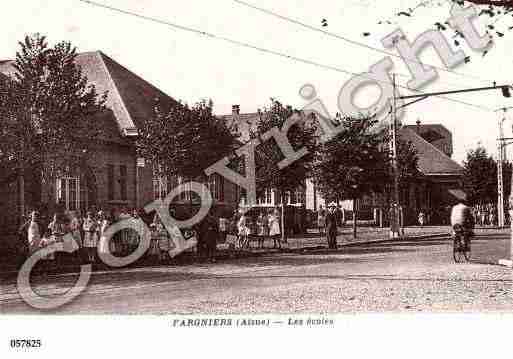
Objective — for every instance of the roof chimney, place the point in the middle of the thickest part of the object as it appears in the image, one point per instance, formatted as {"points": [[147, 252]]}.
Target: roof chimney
{"points": [[235, 109]]}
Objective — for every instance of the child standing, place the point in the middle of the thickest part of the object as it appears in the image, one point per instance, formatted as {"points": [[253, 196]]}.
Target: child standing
{"points": [[163, 240], [274, 227], [90, 228], [103, 224], [263, 229]]}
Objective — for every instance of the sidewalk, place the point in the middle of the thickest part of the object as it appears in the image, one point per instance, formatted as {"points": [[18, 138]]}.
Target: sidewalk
{"points": [[368, 235], [310, 241]]}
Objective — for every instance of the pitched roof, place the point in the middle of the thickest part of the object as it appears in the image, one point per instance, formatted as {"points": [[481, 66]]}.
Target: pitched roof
{"points": [[432, 161], [430, 127], [130, 98]]}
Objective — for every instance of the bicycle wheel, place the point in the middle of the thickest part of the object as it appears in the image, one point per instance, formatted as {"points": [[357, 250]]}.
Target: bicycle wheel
{"points": [[467, 251], [457, 252]]}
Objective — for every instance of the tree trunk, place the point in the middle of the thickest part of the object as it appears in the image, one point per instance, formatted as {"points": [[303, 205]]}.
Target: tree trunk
{"points": [[22, 193], [355, 218]]}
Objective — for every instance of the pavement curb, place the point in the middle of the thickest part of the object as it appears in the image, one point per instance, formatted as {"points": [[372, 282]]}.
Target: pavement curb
{"points": [[378, 241], [248, 254]]}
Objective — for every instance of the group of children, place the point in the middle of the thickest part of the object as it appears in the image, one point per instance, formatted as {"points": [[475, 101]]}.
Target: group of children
{"points": [[88, 235], [266, 225]]}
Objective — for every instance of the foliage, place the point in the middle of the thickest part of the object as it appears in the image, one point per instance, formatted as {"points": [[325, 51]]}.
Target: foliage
{"points": [[184, 141], [354, 162], [268, 154], [357, 161], [407, 161], [480, 177], [50, 115], [496, 15]]}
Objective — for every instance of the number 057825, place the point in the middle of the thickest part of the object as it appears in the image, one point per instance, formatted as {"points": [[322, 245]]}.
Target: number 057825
{"points": [[25, 343]]}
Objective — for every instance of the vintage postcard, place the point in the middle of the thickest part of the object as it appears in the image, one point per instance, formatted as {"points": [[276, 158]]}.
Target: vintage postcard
{"points": [[254, 164]]}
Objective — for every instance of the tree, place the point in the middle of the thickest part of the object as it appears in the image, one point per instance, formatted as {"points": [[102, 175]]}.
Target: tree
{"points": [[50, 114], [183, 141], [357, 162], [480, 177], [302, 135], [352, 164], [495, 13]]}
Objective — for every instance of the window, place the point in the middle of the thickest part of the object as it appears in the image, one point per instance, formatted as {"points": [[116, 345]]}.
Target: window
{"points": [[216, 187], [300, 198], [293, 198], [123, 182], [160, 187], [185, 195], [110, 182], [68, 192]]}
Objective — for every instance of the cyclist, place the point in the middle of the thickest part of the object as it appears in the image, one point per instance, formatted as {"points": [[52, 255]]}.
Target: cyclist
{"points": [[461, 215]]}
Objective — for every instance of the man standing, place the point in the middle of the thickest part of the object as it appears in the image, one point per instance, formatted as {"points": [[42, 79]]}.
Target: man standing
{"points": [[331, 226], [208, 233]]}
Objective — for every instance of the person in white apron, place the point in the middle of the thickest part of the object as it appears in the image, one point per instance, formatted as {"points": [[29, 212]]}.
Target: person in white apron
{"points": [[243, 231], [90, 228], [103, 224], [34, 233], [75, 227], [274, 228]]}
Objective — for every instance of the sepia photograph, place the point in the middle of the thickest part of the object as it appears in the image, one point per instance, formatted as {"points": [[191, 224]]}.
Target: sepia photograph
{"points": [[255, 164]]}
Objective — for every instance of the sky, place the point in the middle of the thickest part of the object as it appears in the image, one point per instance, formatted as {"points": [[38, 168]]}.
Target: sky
{"points": [[191, 67]]}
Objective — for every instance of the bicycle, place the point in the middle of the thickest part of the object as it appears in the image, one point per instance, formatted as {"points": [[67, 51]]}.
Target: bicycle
{"points": [[461, 244]]}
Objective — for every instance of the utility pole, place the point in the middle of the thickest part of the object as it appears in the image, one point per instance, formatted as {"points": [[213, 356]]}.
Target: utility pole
{"points": [[501, 157], [395, 222], [505, 89]]}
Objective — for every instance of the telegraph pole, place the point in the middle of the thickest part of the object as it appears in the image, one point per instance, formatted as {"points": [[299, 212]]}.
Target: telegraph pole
{"points": [[505, 89], [501, 157], [395, 222]]}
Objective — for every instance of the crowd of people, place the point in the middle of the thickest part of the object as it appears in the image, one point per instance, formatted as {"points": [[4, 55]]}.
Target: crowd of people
{"points": [[485, 214], [87, 233]]}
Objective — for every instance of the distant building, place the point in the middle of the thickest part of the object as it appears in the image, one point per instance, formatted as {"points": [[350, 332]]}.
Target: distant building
{"points": [[439, 187], [247, 122], [435, 134]]}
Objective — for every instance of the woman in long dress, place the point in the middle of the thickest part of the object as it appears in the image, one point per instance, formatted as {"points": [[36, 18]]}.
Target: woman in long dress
{"points": [[34, 234], [274, 227], [243, 230], [163, 239], [74, 227], [103, 224]]}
